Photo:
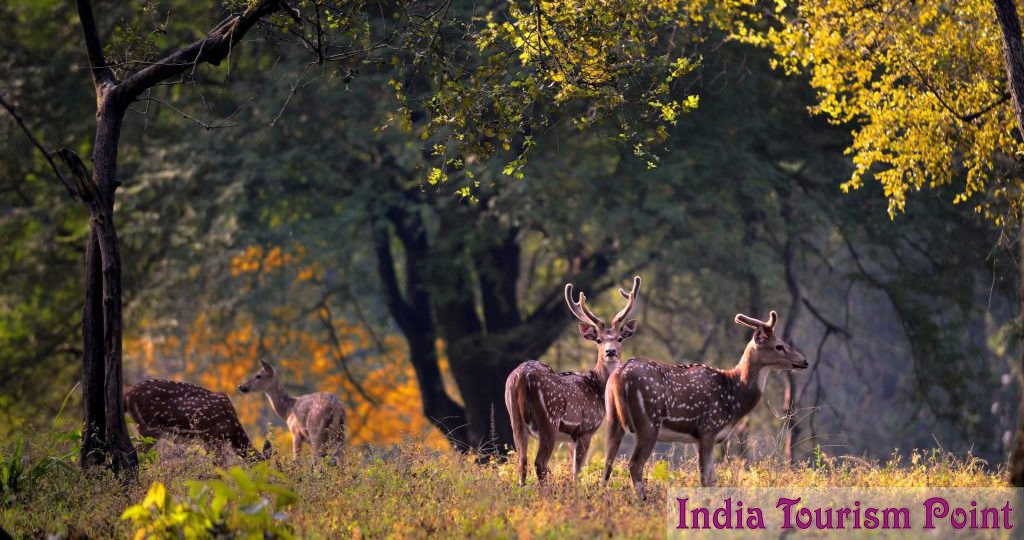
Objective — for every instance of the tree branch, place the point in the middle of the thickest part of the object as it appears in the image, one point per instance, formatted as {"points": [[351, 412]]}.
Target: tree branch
{"points": [[42, 149], [102, 74], [211, 50]]}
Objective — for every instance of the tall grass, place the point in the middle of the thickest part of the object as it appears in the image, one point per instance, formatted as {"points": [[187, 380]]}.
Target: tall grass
{"points": [[411, 491]]}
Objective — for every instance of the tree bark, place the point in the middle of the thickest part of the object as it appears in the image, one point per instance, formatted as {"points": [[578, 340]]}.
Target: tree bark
{"points": [[412, 314], [790, 430], [1013, 55], [94, 432]]}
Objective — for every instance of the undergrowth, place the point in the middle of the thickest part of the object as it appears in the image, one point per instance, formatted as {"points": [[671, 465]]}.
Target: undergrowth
{"points": [[411, 491]]}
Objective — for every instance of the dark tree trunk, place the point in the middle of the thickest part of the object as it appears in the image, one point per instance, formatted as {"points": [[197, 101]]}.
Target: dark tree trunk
{"points": [[94, 433], [440, 299], [1013, 54], [790, 429], [411, 311], [105, 434], [108, 132], [443, 412]]}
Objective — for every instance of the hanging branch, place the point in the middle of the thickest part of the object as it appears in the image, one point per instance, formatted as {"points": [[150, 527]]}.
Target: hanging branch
{"points": [[39, 145]]}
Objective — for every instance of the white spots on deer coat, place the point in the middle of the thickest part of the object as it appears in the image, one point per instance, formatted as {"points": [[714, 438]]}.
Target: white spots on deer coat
{"points": [[161, 407]]}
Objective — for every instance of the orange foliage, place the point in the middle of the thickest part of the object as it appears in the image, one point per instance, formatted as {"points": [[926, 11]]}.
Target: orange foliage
{"points": [[221, 358]]}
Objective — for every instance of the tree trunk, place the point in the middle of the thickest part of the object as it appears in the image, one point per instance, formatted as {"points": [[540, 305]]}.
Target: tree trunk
{"points": [[480, 366], [94, 432], [1013, 55], [412, 313], [1016, 465], [443, 412], [790, 429], [106, 433], [102, 359]]}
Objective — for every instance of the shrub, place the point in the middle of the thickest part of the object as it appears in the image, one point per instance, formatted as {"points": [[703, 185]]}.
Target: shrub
{"points": [[242, 504]]}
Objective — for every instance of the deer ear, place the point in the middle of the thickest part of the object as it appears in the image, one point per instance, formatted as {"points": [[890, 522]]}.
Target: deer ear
{"points": [[628, 329], [267, 366], [588, 331]]}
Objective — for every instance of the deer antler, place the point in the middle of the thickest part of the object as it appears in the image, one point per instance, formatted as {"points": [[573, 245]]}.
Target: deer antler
{"points": [[630, 299], [757, 323], [579, 308]]}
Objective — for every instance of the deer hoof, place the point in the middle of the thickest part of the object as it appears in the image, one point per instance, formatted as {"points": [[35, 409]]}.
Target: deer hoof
{"points": [[639, 487]]}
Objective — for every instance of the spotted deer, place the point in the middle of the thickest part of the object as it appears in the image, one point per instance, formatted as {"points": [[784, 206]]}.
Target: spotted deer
{"points": [[567, 407], [692, 403], [160, 408], [318, 418]]}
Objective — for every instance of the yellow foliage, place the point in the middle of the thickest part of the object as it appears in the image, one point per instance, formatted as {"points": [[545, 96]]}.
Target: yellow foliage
{"points": [[923, 84]]}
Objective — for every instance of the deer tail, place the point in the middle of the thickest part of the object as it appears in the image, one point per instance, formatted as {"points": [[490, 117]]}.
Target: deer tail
{"points": [[516, 387]]}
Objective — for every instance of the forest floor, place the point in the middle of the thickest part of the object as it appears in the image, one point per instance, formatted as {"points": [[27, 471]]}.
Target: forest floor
{"points": [[410, 491]]}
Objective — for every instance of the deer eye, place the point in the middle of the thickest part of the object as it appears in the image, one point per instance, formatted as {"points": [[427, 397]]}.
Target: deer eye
{"points": [[620, 340], [598, 340], [258, 376], [779, 348]]}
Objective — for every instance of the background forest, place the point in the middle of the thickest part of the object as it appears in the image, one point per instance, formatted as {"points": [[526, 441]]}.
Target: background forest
{"points": [[274, 208]]}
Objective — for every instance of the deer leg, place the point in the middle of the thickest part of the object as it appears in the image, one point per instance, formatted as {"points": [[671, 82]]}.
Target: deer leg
{"points": [[579, 455], [706, 457], [615, 434], [316, 443], [546, 436], [521, 440], [296, 445], [646, 437]]}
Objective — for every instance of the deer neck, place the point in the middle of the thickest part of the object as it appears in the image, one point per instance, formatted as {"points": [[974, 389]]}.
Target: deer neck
{"points": [[751, 378], [600, 370], [280, 401]]}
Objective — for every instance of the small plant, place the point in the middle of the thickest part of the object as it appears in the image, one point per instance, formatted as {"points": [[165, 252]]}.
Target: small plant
{"points": [[242, 504], [21, 474], [820, 460], [18, 474]]}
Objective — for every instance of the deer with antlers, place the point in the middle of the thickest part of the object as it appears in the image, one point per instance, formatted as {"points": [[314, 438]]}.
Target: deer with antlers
{"points": [[692, 403], [160, 408], [318, 418], [567, 407]]}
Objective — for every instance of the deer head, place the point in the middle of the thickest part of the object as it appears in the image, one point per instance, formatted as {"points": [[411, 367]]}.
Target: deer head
{"points": [[608, 338], [263, 380], [768, 350]]}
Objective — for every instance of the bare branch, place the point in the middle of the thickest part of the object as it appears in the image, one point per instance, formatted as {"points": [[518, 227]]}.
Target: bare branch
{"points": [[102, 74], [210, 50], [42, 149]]}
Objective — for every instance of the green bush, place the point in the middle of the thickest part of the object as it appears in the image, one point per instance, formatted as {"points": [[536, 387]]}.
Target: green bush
{"points": [[242, 504]]}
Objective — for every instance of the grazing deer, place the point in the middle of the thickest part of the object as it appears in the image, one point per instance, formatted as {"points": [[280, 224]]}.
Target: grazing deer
{"points": [[161, 408], [318, 417], [567, 406], [692, 403]]}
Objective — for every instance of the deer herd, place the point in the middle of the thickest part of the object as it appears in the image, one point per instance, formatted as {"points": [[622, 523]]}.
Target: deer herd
{"points": [[653, 400]]}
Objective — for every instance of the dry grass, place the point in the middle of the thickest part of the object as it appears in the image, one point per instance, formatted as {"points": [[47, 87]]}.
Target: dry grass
{"points": [[410, 491]]}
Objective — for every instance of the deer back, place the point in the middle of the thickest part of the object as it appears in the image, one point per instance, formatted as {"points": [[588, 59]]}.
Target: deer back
{"points": [[162, 407], [570, 402]]}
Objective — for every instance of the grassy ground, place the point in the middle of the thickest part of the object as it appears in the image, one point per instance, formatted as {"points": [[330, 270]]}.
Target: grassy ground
{"points": [[412, 492]]}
